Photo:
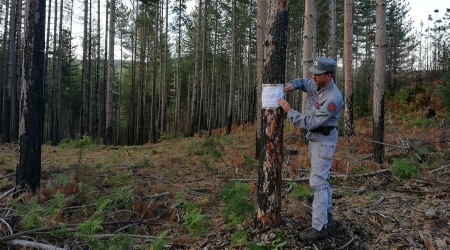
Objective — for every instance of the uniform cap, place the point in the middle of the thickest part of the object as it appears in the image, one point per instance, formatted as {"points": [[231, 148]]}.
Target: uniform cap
{"points": [[322, 65]]}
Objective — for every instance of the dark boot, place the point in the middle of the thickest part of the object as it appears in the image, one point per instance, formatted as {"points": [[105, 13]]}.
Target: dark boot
{"points": [[330, 224], [313, 234]]}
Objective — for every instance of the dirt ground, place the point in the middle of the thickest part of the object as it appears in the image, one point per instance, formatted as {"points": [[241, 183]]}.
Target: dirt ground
{"points": [[373, 208]]}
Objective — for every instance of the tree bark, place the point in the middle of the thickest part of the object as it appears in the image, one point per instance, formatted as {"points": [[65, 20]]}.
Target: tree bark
{"points": [[153, 114], [332, 51], [308, 44], [269, 171], [84, 80], [233, 68], [7, 92], [110, 82], [142, 93], [4, 62], [260, 34], [98, 104], [72, 111], [213, 78], [16, 79], [348, 67], [54, 100], [379, 82], [196, 72], [30, 127], [58, 125]]}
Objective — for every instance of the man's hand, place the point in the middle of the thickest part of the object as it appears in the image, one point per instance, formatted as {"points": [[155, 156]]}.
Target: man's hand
{"points": [[284, 105], [288, 88]]}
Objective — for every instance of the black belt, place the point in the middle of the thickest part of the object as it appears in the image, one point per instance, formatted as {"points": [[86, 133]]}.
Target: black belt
{"points": [[325, 130]]}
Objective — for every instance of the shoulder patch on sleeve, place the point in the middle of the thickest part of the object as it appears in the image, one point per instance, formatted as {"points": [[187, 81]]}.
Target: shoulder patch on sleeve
{"points": [[331, 106]]}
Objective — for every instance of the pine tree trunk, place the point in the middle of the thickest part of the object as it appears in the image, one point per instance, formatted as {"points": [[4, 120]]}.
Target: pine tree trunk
{"points": [[102, 94], [72, 111], [84, 80], [16, 79], [59, 76], [7, 92], [348, 68], [54, 121], [90, 86], [213, 79], [269, 172], [232, 67], [166, 56], [98, 104], [142, 84], [130, 115], [308, 44], [4, 71], [196, 72], [28, 169], [47, 93], [110, 82], [203, 109], [379, 82], [260, 34], [153, 114], [332, 51]]}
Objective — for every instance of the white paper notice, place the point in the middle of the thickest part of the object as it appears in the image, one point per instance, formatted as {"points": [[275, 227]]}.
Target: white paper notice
{"points": [[270, 95]]}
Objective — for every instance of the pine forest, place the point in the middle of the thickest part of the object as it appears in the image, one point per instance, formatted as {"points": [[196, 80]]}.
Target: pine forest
{"points": [[138, 124]]}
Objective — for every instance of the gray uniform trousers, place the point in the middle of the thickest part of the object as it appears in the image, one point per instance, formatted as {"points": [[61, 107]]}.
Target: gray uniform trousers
{"points": [[321, 154]]}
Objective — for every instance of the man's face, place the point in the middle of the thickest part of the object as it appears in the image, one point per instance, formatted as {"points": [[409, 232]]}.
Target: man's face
{"points": [[321, 80]]}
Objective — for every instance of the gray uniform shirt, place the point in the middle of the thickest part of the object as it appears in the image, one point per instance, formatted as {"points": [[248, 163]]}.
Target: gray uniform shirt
{"points": [[323, 108]]}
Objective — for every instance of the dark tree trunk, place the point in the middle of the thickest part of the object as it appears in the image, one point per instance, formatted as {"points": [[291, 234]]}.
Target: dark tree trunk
{"points": [[4, 63], [17, 74], [153, 115], [261, 27], [379, 83], [142, 93], [194, 111], [348, 68], [110, 82], [7, 92], [233, 68], [269, 171], [28, 172], [55, 118], [84, 81]]}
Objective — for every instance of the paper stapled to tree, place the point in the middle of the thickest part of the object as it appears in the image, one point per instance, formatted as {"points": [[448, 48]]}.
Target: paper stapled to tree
{"points": [[270, 95]]}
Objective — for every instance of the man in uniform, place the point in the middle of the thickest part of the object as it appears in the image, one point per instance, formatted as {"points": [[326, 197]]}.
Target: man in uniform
{"points": [[321, 116]]}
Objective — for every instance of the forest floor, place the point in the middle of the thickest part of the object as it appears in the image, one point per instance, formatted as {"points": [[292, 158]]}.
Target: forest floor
{"points": [[373, 207]]}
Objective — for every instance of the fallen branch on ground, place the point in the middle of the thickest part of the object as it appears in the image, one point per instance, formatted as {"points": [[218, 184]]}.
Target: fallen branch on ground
{"points": [[49, 229], [26, 243]]}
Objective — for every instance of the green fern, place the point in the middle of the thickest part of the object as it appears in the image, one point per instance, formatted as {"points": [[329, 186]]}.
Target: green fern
{"points": [[404, 168], [193, 219], [239, 238], [33, 214], [88, 228], [159, 243], [237, 207], [299, 191]]}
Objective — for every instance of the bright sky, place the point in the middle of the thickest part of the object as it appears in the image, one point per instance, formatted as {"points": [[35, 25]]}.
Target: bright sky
{"points": [[420, 9]]}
